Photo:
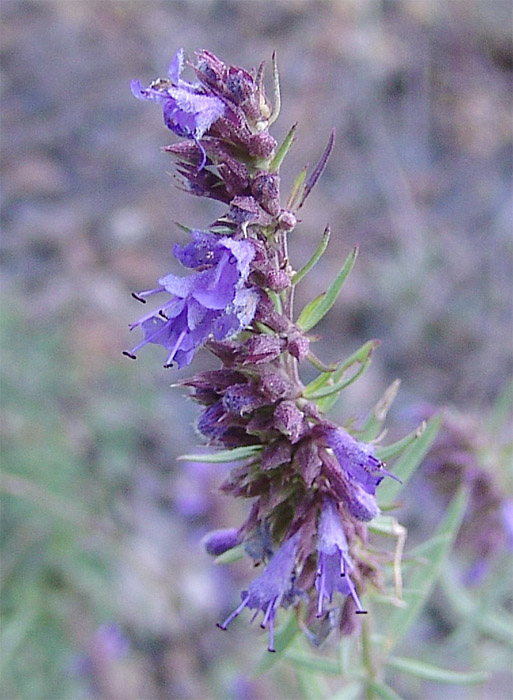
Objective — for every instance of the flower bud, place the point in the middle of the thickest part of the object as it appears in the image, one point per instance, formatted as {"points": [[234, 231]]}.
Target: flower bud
{"points": [[288, 419], [298, 345], [275, 386], [262, 145], [262, 348], [242, 398], [220, 541], [266, 190], [287, 221]]}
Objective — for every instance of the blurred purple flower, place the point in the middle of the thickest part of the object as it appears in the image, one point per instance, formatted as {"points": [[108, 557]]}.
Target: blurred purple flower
{"points": [[212, 302], [189, 110], [357, 459], [274, 586], [507, 521], [219, 541], [333, 563]]}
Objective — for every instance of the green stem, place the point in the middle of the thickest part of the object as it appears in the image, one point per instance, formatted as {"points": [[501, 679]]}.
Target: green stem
{"points": [[367, 660]]}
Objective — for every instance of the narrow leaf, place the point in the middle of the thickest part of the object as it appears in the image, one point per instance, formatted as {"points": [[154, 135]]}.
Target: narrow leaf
{"points": [[383, 691], [296, 189], [318, 170], [409, 461], [276, 91], [223, 455], [315, 257], [312, 687], [313, 663], [350, 691], [498, 625], [283, 149], [421, 581], [337, 388], [414, 667], [319, 307], [372, 426], [332, 376], [392, 450]]}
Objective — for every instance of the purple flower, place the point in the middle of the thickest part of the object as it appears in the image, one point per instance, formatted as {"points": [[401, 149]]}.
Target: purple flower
{"points": [[507, 521], [333, 562], [273, 587], [189, 110], [357, 459], [214, 301]]}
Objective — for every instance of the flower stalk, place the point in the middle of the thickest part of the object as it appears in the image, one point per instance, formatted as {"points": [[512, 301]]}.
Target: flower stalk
{"points": [[312, 483]]}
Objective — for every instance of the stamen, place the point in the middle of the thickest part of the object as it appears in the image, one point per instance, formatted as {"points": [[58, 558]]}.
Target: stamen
{"points": [[268, 613], [169, 361], [138, 298], [129, 354], [270, 646], [234, 614]]}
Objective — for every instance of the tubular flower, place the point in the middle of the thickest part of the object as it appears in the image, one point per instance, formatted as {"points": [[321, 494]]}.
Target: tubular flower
{"points": [[272, 588], [356, 459], [214, 301], [333, 563], [189, 109]]}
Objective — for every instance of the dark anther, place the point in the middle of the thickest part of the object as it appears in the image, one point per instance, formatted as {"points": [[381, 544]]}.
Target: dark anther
{"points": [[135, 296], [218, 624], [168, 366], [163, 315], [129, 354], [361, 612]]}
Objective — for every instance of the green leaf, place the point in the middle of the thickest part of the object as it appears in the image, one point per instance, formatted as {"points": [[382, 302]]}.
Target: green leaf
{"points": [[296, 189], [349, 691], [312, 687], [224, 455], [421, 581], [374, 422], [395, 448], [383, 691], [313, 663], [414, 667], [319, 307], [332, 376], [283, 638], [315, 257], [283, 149], [276, 92], [328, 394], [409, 461], [495, 624]]}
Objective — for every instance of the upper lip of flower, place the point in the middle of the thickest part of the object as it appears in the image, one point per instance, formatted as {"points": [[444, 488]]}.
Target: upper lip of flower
{"points": [[189, 110]]}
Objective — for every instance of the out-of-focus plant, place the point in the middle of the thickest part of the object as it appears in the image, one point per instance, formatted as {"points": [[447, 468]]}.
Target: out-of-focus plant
{"points": [[319, 508]]}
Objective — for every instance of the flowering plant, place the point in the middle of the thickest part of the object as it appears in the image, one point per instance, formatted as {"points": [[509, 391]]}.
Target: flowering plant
{"points": [[314, 485]]}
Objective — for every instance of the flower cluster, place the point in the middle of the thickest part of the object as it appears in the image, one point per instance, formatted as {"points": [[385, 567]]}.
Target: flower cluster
{"points": [[461, 455], [312, 484]]}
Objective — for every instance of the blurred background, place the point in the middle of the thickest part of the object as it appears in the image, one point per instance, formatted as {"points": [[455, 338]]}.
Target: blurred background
{"points": [[107, 592]]}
